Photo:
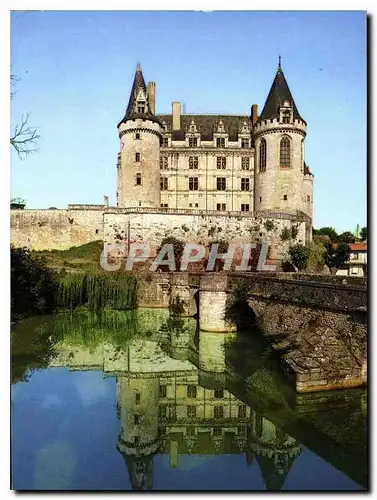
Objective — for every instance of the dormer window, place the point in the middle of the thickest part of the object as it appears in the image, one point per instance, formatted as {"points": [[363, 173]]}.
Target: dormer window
{"points": [[286, 113], [141, 107], [220, 142], [193, 142], [244, 143]]}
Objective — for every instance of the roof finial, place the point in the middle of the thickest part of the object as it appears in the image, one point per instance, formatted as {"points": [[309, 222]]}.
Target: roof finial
{"points": [[279, 67], [138, 67]]}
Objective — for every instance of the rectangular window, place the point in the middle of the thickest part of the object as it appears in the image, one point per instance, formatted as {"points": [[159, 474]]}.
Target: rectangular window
{"points": [[137, 157], [196, 205], [217, 431], [242, 411], [193, 162], [245, 184], [260, 199], [163, 183], [141, 107], [164, 162], [193, 142], [221, 207], [162, 412], [285, 197], [308, 198], [164, 205], [218, 412], [137, 398], [137, 419], [221, 183], [218, 393], [165, 142], [193, 183], [138, 179], [137, 135], [221, 162], [191, 391], [163, 391], [245, 163], [244, 143], [220, 142], [191, 411], [245, 207]]}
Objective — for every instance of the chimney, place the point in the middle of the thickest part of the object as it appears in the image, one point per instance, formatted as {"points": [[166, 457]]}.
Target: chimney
{"points": [[254, 113], [176, 111], [152, 97]]}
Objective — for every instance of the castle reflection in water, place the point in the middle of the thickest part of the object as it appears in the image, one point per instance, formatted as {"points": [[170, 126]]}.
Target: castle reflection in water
{"points": [[179, 394]]}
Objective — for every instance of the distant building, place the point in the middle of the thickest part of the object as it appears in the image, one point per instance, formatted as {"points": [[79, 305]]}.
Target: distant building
{"points": [[357, 263]]}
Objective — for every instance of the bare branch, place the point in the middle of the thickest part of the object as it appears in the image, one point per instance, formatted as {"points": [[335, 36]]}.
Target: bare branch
{"points": [[24, 138]]}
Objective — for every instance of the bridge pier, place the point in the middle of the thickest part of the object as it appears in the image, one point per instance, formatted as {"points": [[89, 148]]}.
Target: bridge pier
{"points": [[182, 302], [213, 304]]}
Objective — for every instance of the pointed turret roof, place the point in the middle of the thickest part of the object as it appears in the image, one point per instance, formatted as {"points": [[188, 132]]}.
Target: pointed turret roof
{"points": [[279, 93], [138, 89], [273, 478]]}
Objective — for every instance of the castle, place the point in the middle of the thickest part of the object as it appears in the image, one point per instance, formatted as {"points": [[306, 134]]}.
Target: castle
{"points": [[199, 178], [227, 163]]}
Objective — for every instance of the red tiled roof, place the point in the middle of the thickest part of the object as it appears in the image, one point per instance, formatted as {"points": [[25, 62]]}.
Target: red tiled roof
{"points": [[360, 246]]}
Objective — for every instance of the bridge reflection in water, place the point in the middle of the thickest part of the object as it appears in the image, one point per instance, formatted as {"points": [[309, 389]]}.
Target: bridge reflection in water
{"points": [[182, 391]]}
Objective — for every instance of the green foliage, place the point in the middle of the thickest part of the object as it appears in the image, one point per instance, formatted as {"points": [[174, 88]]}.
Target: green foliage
{"points": [[177, 306], [364, 233], [329, 231], [269, 225], [321, 238], [285, 234], [91, 329], [185, 228], [32, 284], [241, 292], [299, 255], [97, 291], [223, 246], [346, 237], [317, 257], [336, 257], [294, 232], [211, 231], [178, 246]]}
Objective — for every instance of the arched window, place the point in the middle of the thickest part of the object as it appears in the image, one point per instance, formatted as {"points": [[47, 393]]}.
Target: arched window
{"points": [[262, 155], [285, 152]]}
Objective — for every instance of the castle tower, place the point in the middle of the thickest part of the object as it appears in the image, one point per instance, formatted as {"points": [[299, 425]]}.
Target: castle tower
{"points": [[138, 179], [138, 440], [279, 135], [274, 450]]}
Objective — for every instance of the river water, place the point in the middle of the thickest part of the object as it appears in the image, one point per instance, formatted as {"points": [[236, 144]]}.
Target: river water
{"points": [[138, 400]]}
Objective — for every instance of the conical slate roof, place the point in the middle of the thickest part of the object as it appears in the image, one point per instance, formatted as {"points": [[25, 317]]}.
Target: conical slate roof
{"points": [[271, 477], [279, 93], [138, 85]]}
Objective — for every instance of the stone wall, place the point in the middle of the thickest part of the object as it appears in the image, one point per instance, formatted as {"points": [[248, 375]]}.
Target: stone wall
{"points": [[320, 350], [55, 229], [151, 228]]}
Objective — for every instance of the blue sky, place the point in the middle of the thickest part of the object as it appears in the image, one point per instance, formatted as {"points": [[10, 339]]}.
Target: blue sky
{"points": [[76, 70]]}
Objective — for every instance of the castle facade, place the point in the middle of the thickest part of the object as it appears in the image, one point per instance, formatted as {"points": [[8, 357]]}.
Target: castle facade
{"points": [[224, 163]]}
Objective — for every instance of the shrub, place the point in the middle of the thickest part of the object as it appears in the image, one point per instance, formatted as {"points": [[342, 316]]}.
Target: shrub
{"points": [[336, 257], [33, 284], [294, 232], [299, 255], [269, 225], [317, 257], [178, 246], [285, 234]]}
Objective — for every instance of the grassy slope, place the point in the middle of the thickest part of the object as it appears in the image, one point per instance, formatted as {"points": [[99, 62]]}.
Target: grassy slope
{"points": [[85, 257]]}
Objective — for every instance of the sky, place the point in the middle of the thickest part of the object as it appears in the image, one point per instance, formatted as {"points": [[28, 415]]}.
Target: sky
{"points": [[76, 68]]}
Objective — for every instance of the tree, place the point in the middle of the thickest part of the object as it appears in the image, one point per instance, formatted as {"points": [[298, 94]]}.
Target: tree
{"points": [[329, 231], [364, 233], [336, 256], [299, 256], [178, 247], [25, 138], [346, 237]]}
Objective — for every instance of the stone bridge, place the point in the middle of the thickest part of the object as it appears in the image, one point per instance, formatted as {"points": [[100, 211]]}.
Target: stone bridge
{"points": [[317, 324]]}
